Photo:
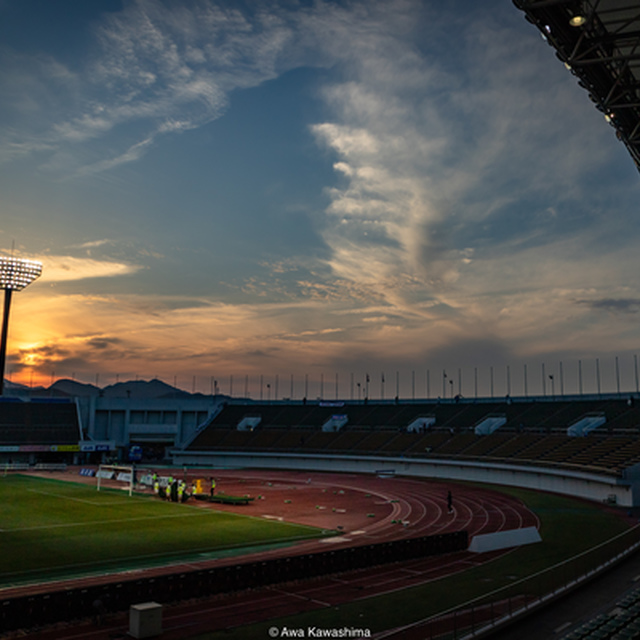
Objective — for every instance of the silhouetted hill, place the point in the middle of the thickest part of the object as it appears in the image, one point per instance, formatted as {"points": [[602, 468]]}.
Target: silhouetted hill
{"points": [[143, 389], [74, 389], [130, 389]]}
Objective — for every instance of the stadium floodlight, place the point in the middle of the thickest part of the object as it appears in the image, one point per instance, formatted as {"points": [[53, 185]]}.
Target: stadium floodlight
{"points": [[15, 275], [578, 20]]}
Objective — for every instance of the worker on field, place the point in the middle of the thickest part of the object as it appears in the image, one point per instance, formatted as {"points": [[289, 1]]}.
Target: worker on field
{"points": [[180, 490], [156, 485], [213, 486], [167, 491]]}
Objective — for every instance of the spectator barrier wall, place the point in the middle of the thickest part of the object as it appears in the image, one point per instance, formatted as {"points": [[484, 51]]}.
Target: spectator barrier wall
{"points": [[71, 604]]}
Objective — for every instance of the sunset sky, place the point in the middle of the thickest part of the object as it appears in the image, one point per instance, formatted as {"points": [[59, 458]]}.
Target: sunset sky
{"points": [[311, 188]]}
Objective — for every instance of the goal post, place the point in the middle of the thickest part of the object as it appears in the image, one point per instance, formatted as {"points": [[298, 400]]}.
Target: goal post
{"points": [[121, 473]]}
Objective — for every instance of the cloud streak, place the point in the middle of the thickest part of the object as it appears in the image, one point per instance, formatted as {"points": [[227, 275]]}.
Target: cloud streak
{"points": [[66, 268], [169, 66], [431, 211]]}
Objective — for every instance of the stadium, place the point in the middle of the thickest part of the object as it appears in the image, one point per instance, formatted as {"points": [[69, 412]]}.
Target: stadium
{"points": [[379, 498], [448, 517]]}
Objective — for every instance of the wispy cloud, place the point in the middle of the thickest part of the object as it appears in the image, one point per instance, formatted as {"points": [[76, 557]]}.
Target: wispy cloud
{"points": [[432, 207], [168, 67], [64, 268]]}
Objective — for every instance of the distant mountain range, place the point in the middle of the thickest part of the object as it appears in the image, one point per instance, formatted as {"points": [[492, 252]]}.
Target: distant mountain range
{"points": [[131, 389]]}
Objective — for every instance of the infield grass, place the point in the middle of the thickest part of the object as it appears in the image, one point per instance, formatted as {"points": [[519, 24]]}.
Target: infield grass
{"points": [[52, 529]]}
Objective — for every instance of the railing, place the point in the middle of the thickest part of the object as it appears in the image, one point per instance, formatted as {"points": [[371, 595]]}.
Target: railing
{"points": [[481, 616]]}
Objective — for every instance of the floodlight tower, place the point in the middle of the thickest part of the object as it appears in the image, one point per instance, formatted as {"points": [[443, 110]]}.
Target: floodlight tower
{"points": [[15, 275]]}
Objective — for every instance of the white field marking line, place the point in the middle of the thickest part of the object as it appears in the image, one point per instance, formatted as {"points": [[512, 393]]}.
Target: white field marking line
{"points": [[63, 497], [482, 508], [93, 523], [503, 524], [291, 594], [425, 501], [418, 500], [510, 508], [471, 516], [428, 502], [423, 508], [501, 507], [434, 523]]}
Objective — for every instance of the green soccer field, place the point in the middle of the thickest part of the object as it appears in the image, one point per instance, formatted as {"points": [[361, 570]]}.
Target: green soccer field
{"points": [[51, 529]]}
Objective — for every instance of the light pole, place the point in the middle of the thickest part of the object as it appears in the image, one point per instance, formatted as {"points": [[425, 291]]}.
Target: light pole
{"points": [[15, 275]]}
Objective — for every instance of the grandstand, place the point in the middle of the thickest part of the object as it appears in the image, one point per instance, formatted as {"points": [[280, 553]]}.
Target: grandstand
{"points": [[39, 431], [598, 436], [533, 431]]}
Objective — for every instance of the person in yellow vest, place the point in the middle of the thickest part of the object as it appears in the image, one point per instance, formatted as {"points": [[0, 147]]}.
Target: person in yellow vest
{"points": [[180, 491], [213, 486]]}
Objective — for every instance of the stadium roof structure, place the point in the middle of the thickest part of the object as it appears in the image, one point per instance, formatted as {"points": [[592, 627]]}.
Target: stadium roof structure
{"points": [[599, 42]]}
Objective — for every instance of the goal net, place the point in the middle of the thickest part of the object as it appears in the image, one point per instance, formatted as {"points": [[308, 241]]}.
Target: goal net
{"points": [[118, 475]]}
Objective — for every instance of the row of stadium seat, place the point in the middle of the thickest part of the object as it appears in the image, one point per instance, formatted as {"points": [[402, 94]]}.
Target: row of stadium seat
{"points": [[39, 423], [621, 624], [612, 454], [543, 415]]}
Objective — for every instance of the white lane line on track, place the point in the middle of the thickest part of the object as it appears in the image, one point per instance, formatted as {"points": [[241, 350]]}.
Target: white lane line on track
{"points": [[291, 594]]}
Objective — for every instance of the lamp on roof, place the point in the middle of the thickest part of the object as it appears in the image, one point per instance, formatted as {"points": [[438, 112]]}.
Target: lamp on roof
{"points": [[15, 275]]}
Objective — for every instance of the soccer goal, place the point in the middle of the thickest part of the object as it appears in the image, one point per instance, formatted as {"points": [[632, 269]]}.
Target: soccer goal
{"points": [[120, 473]]}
